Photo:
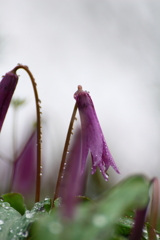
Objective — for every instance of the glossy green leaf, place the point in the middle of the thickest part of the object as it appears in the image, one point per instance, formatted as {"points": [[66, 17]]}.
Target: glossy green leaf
{"points": [[8, 216], [20, 229], [47, 204], [124, 225], [16, 201]]}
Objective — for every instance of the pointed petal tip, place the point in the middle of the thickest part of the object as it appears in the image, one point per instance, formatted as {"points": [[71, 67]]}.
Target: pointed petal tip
{"points": [[115, 168]]}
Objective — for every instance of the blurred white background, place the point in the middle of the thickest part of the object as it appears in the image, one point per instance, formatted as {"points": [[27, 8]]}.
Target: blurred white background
{"points": [[112, 49]]}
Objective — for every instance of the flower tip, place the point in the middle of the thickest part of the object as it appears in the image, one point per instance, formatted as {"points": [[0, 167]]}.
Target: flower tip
{"points": [[78, 91], [80, 88]]}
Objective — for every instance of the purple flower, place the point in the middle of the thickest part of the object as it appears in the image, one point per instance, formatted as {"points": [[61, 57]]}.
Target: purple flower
{"points": [[92, 136], [7, 87], [24, 168], [72, 180]]}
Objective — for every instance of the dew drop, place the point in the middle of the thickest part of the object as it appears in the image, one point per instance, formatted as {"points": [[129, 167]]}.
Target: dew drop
{"points": [[6, 205], [1, 222], [40, 174], [25, 234], [29, 214], [46, 199], [19, 234], [62, 176]]}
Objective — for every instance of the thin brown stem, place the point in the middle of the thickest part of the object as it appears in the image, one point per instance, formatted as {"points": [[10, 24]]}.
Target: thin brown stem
{"points": [[39, 133], [65, 152]]}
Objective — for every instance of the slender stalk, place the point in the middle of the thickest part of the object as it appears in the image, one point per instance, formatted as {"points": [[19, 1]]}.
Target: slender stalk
{"points": [[139, 223], [39, 133], [65, 152], [154, 209]]}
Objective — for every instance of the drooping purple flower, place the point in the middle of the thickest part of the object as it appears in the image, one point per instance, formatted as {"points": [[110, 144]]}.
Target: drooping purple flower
{"points": [[7, 87], [92, 136], [24, 168], [72, 180]]}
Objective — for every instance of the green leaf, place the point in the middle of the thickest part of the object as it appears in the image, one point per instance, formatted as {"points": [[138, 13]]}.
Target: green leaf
{"points": [[96, 221], [16, 201], [15, 226], [47, 204], [84, 199], [124, 225], [8, 216]]}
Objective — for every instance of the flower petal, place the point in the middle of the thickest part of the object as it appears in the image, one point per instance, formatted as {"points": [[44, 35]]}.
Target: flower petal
{"points": [[92, 135], [24, 174], [72, 180], [7, 87]]}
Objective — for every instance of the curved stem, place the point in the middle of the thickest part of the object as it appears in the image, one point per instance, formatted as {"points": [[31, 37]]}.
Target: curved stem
{"points": [[65, 152], [39, 133]]}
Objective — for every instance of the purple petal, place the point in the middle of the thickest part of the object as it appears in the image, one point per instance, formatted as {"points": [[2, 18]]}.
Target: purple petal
{"points": [[72, 180], [92, 136], [24, 176], [7, 87]]}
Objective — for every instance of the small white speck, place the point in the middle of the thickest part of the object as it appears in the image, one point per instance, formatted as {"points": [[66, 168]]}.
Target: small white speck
{"points": [[99, 220]]}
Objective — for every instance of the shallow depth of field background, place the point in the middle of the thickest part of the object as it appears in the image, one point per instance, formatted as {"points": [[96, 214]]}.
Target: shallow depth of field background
{"points": [[112, 49]]}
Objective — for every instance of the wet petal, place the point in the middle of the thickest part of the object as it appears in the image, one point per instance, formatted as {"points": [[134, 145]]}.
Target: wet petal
{"points": [[72, 180], [24, 176], [92, 135], [7, 87]]}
